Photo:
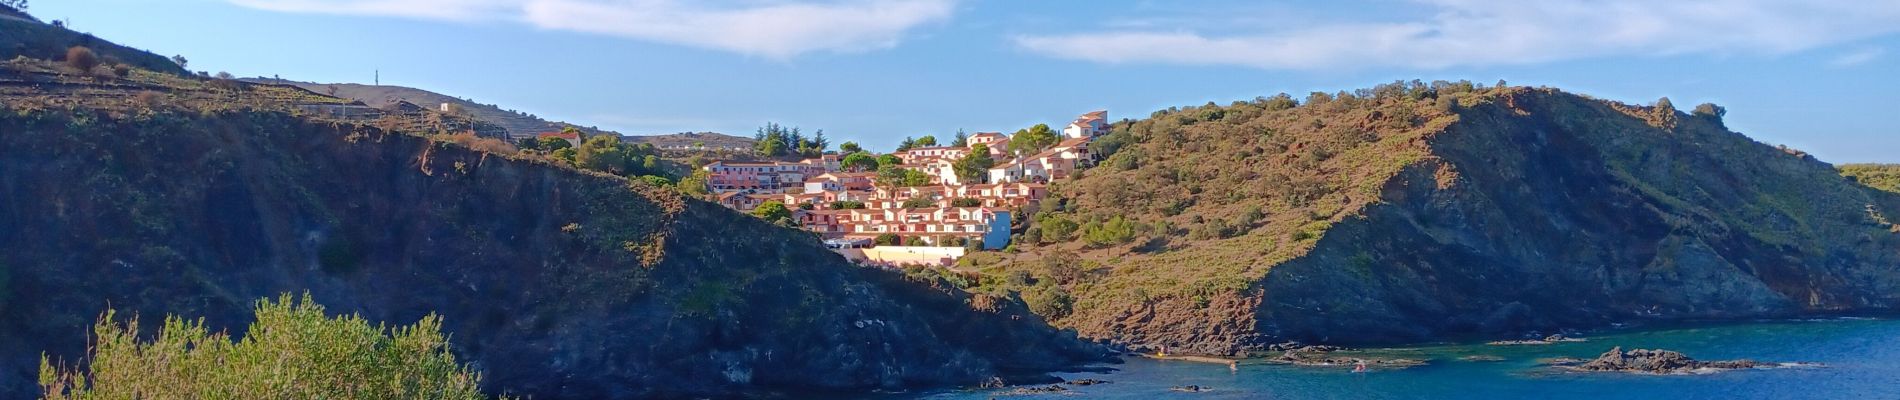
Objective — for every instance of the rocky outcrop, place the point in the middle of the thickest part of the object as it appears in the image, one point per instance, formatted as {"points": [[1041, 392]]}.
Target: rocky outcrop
{"points": [[1645, 361], [553, 283]]}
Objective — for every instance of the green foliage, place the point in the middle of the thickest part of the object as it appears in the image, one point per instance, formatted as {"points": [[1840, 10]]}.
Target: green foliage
{"points": [[1710, 110], [961, 140], [1049, 301], [656, 181], [907, 144], [888, 160], [919, 202], [697, 184], [1879, 176], [926, 141], [974, 167], [607, 153], [887, 239], [566, 155], [1029, 141], [1056, 228], [892, 176], [528, 143], [850, 147], [551, 143], [859, 161], [966, 202], [774, 140], [847, 205], [1115, 231], [292, 351], [774, 211]]}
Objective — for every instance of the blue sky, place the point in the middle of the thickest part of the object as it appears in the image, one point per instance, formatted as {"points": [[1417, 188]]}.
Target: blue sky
{"points": [[1816, 75]]}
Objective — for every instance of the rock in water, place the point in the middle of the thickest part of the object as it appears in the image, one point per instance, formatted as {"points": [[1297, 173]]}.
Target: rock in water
{"points": [[1657, 362]]}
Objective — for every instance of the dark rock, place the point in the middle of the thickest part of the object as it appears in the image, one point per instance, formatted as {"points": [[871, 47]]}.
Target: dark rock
{"points": [[1191, 388], [1024, 391], [1657, 362], [1087, 382]]}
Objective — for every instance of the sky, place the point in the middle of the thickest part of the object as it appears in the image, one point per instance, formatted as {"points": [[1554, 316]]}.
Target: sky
{"points": [[1822, 76]]}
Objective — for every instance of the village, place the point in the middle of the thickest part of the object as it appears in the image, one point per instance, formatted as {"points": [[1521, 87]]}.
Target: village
{"points": [[921, 210]]}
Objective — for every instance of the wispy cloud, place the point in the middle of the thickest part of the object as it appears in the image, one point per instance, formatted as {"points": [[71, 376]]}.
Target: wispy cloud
{"points": [[777, 29], [1497, 32], [1857, 57]]}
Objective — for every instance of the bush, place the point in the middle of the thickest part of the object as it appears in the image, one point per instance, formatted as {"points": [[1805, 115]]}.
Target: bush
{"points": [[292, 351], [966, 202], [1115, 231], [81, 59], [888, 239], [1049, 301], [1056, 228]]}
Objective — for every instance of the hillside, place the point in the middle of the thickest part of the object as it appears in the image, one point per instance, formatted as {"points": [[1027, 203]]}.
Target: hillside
{"points": [[516, 123], [160, 194], [1411, 213], [23, 36], [1879, 176]]}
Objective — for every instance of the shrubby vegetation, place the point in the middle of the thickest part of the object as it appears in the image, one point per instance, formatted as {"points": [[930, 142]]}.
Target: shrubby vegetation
{"points": [[1879, 176], [774, 140], [1199, 200], [292, 351]]}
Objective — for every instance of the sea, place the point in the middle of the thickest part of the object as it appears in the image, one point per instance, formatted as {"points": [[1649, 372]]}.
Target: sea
{"points": [[1857, 358]]}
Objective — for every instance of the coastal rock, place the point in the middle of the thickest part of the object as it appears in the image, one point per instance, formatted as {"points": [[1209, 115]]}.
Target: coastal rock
{"points": [[1646, 361], [1087, 382], [1191, 388], [1481, 358], [1034, 390]]}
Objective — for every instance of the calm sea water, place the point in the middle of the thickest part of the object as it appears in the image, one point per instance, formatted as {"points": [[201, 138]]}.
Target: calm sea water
{"points": [[1861, 357]]}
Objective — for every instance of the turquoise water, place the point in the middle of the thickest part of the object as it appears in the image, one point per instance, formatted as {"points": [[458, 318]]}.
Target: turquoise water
{"points": [[1861, 357]]}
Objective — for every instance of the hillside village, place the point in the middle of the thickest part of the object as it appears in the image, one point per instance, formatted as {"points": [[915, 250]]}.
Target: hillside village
{"points": [[889, 215]]}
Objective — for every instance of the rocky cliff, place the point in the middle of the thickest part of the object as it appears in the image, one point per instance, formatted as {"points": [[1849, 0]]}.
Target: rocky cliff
{"points": [[1414, 213], [554, 283]]}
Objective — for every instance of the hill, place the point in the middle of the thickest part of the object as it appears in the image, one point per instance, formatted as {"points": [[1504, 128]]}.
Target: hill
{"points": [[694, 140], [1414, 212], [1879, 176], [517, 124], [156, 193], [23, 36]]}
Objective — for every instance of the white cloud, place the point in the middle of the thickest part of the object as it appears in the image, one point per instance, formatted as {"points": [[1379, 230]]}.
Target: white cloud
{"points": [[778, 29], [1499, 32], [1857, 57]]}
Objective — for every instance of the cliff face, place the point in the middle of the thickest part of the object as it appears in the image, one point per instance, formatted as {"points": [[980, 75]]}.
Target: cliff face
{"points": [[553, 283], [1493, 212]]}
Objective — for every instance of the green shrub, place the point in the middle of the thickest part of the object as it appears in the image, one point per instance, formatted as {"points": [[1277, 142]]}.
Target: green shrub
{"points": [[1115, 231], [292, 351], [888, 239], [1049, 301]]}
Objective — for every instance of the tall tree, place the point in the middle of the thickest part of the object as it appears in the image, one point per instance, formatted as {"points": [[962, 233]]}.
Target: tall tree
{"points": [[962, 139], [1029, 141], [906, 144], [860, 162], [975, 167], [850, 147], [927, 141]]}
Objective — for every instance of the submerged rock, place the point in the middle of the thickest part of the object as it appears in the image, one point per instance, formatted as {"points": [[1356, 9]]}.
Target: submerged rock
{"points": [[1031, 390], [1191, 388], [1481, 358], [1087, 382], [1321, 356]]}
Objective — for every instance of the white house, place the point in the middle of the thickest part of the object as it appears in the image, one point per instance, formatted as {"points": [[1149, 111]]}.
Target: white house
{"points": [[1087, 126]]}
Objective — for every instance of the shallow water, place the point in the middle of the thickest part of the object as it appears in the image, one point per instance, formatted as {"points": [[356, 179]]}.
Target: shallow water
{"points": [[1861, 357]]}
